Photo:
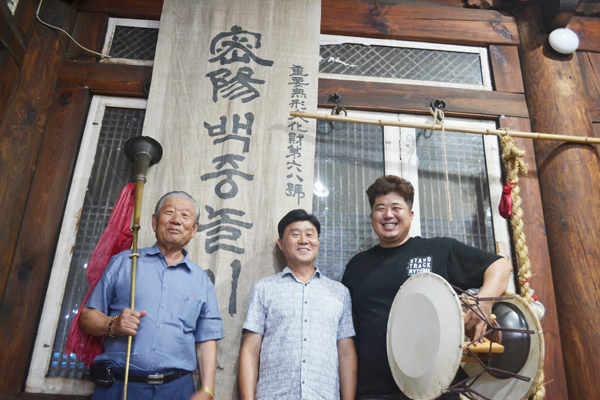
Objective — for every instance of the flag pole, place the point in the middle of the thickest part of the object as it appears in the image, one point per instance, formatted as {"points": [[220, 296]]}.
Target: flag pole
{"points": [[142, 152]]}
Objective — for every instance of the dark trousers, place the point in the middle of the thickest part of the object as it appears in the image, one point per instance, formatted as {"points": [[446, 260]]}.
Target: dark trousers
{"points": [[401, 396], [180, 389], [460, 376]]}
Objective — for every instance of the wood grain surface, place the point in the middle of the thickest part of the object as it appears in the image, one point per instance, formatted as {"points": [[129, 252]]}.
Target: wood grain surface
{"points": [[387, 97], [104, 78], [410, 21], [38, 236], [24, 121], [569, 178]]}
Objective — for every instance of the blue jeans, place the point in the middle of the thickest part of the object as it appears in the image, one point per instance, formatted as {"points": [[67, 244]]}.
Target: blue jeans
{"points": [[179, 389]]}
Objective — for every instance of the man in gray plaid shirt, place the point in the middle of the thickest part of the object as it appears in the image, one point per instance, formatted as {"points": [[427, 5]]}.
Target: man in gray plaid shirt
{"points": [[298, 333]]}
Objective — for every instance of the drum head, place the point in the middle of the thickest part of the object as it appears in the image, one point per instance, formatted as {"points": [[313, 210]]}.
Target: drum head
{"points": [[424, 334], [498, 388]]}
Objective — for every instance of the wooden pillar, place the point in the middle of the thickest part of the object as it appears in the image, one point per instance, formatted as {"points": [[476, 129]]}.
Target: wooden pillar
{"points": [[24, 269], [24, 121], [541, 281], [569, 177]]}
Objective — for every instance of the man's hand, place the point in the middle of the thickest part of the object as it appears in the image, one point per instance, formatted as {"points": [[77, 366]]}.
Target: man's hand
{"points": [[201, 395], [495, 282], [128, 322], [472, 321]]}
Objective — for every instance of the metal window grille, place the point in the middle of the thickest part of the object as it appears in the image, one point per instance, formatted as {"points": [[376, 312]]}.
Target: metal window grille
{"points": [[468, 185], [401, 63], [110, 173], [348, 159], [134, 43]]}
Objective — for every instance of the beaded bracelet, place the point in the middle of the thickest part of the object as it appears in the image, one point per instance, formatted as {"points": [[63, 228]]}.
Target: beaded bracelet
{"points": [[110, 334]]}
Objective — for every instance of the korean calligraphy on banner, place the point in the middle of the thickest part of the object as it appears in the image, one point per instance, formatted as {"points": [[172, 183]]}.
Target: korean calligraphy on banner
{"points": [[226, 75]]}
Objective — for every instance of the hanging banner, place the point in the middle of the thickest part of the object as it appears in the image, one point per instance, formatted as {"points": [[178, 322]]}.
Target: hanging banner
{"points": [[226, 76]]}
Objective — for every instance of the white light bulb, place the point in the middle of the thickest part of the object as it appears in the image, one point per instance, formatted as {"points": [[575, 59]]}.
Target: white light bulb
{"points": [[564, 40]]}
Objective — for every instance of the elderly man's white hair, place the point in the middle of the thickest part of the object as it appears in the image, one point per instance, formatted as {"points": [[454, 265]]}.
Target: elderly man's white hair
{"points": [[179, 194]]}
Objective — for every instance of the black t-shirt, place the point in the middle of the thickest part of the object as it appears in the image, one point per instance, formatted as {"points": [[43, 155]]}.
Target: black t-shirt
{"points": [[374, 277]]}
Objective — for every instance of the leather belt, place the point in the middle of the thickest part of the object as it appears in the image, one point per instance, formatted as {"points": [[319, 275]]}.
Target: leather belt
{"points": [[153, 379]]}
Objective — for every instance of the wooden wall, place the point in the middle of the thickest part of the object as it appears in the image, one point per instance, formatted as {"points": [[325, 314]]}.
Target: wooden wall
{"points": [[45, 94]]}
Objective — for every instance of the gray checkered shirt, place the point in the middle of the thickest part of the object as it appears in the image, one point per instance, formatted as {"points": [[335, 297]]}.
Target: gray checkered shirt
{"points": [[301, 324]]}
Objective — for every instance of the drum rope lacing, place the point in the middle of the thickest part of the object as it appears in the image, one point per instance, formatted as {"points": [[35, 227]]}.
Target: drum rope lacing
{"points": [[465, 387]]}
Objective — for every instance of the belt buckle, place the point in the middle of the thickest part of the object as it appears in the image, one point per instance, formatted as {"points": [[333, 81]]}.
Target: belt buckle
{"points": [[156, 379]]}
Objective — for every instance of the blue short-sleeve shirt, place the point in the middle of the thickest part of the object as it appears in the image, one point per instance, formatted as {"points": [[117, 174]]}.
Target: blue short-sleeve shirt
{"points": [[181, 306]]}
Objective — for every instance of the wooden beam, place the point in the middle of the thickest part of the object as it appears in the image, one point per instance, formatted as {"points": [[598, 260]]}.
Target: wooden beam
{"points": [[25, 15], [415, 22], [106, 78], [506, 69], [138, 9], [38, 236], [21, 132], [597, 134], [589, 64], [588, 30], [594, 106], [8, 78], [89, 32], [558, 13], [569, 178], [387, 97], [11, 35], [588, 8]]}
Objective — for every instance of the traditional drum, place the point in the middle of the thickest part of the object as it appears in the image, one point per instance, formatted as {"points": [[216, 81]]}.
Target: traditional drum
{"points": [[426, 344]]}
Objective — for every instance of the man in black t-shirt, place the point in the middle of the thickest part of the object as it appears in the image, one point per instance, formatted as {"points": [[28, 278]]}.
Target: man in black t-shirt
{"points": [[374, 277]]}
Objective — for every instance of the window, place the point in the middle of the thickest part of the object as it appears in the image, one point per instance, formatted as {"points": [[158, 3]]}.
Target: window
{"points": [[131, 41], [395, 61], [349, 157], [94, 192]]}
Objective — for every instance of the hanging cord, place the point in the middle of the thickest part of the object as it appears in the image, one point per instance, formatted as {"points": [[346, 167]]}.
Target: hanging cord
{"points": [[512, 156], [438, 115], [37, 15]]}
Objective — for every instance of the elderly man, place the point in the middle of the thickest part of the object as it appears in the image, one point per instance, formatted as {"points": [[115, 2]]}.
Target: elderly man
{"points": [[374, 277], [177, 321], [298, 330]]}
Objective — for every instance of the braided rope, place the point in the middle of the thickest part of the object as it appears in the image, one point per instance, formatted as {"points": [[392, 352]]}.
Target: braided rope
{"points": [[512, 156]]}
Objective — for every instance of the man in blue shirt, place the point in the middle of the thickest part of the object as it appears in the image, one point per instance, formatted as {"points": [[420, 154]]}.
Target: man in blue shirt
{"points": [[177, 321]]}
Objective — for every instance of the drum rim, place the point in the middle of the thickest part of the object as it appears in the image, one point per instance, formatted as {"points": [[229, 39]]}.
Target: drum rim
{"points": [[397, 374], [535, 325]]}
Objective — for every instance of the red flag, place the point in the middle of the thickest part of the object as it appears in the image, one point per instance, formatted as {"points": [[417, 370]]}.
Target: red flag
{"points": [[505, 206], [116, 238]]}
